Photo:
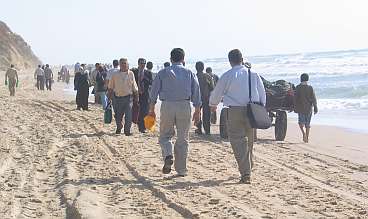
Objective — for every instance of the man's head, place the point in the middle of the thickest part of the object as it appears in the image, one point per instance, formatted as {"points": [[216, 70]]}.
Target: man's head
{"points": [[235, 57], [141, 63], [115, 63], [209, 70], [47, 65], [97, 65], [124, 65], [11, 66], [166, 64], [177, 55], [149, 65], [199, 66], [39, 66], [304, 77]]}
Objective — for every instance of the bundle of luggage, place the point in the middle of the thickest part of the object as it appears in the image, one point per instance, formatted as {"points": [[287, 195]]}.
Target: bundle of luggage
{"points": [[280, 94]]}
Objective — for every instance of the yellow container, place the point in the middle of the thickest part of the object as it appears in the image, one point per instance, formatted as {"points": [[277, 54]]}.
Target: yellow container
{"points": [[149, 123]]}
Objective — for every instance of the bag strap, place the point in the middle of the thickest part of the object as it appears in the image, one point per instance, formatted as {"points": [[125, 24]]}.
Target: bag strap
{"points": [[250, 86]]}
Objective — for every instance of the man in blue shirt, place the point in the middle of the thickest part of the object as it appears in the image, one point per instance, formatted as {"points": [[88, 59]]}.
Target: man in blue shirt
{"points": [[233, 88], [177, 86]]}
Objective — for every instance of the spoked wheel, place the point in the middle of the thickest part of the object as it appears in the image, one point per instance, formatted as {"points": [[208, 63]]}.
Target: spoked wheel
{"points": [[280, 126], [223, 123]]}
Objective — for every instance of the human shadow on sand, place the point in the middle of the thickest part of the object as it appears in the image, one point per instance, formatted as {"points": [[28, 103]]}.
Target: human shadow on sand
{"points": [[97, 181], [180, 185], [97, 134], [214, 138]]}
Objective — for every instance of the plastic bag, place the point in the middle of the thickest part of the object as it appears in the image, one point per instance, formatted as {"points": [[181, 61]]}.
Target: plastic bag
{"points": [[149, 122], [108, 114]]}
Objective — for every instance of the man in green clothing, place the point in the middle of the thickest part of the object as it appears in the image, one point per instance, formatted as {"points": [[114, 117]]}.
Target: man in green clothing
{"points": [[11, 79], [206, 86]]}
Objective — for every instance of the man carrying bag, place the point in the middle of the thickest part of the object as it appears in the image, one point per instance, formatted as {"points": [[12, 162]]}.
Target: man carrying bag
{"points": [[233, 88]]}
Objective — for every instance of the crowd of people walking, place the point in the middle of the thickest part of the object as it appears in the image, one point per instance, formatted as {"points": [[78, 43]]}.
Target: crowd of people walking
{"points": [[133, 94]]}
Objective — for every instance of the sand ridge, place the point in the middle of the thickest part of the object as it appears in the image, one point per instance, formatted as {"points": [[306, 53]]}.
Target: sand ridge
{"points": [[56, 162]]}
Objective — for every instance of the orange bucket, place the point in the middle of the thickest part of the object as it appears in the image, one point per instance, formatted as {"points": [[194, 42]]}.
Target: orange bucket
{"points": [[149, 123]]}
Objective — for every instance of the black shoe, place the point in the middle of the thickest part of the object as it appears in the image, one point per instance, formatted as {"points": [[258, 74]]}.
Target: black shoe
{"points": [[198, 132], [118, 131], [142, 131], [245, 180], [167, 166], [128, 133]]}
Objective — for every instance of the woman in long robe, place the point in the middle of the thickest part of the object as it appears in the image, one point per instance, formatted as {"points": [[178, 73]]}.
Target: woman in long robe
{"points": [[81, 85]]}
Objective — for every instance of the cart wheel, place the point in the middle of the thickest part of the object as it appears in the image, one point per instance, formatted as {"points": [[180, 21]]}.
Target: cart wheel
{"points": [[280, 126], [223, 123]]}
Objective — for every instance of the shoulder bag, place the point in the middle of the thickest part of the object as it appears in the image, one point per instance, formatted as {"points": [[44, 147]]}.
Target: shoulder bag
{"points": [[257, 113]]}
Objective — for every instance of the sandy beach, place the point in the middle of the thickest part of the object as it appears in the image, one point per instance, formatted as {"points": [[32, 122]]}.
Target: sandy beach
{"points": [[56, 162]]}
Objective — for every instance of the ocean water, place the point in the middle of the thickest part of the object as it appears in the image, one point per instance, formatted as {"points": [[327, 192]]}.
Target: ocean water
{"points": [[339, 78]]}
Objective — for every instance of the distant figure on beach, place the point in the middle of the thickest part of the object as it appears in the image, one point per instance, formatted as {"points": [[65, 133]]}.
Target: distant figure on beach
{"points": [[177, 86], [214, 76], [233, 88], [49, 77], [66, 75], [305, 99], [149, 67], [92, 80], [77, 67], [123, 90], [112, 71], [143, 78], [100, 86], [215, 80], [63, 74], [81, 85], [166, 64], [206, 86], [11, 79], [40, 77]]}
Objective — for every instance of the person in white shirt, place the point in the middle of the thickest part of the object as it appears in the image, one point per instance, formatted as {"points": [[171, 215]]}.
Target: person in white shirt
{"points": [[40, 77], [233, 89], [112, 71]]}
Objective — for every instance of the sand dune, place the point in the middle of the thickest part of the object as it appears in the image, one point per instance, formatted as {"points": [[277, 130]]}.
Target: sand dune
{"points": [[56, 162]]}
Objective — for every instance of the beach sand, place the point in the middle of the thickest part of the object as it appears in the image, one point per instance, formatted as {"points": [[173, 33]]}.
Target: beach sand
{"points": [[56, 162]]}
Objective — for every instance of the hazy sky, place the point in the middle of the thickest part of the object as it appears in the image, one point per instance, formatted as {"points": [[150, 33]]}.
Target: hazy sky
{"points": [[66, 31]]}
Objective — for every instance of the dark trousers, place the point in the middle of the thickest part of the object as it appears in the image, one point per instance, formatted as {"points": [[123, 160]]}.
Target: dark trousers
{"points": [[123, 107], [40, 82], [206, 119], [143, 111], [48, 83], [82, 98]]}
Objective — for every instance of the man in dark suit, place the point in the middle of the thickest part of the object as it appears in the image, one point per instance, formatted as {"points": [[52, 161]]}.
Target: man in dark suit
{"points": [[143, 78]]}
